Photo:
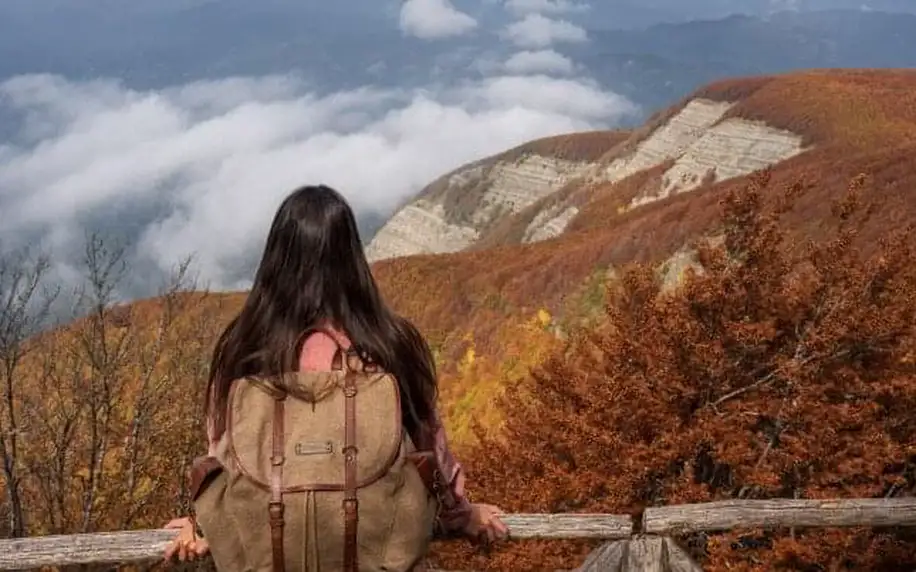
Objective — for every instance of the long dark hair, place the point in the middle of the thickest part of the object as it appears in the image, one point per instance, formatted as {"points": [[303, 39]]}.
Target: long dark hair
{"points": [[314, 271]]}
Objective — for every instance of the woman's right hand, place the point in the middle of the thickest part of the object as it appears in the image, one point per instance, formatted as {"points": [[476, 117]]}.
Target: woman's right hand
{"points": [[485, 524], [187, 544]]}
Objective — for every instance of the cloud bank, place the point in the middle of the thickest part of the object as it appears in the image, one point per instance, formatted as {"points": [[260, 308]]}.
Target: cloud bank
{"points": [[537, 31], [541, 61], [523, 7], [200, 168], [434, 19]]}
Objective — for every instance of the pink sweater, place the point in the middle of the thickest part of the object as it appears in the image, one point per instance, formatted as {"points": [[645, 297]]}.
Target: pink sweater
{"points": [[317, 355]]}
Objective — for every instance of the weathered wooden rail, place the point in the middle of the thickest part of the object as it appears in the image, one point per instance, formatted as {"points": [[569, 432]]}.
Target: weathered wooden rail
{"points": [[642, 545]]}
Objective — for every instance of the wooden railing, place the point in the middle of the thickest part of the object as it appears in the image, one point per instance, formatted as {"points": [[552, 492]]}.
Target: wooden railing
{"points": [[642, 545]]}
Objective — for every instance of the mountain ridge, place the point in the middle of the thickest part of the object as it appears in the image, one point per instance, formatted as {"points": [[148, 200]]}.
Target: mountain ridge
{"points": [[721, 131]]}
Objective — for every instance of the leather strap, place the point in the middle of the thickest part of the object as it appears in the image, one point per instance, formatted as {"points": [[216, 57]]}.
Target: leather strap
{"points": [[276, 507], [350, 502], [203, 469], [428, 467]]}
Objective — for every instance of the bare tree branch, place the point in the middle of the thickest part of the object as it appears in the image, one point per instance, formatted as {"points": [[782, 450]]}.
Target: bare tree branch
{"points": [[22, 312]]}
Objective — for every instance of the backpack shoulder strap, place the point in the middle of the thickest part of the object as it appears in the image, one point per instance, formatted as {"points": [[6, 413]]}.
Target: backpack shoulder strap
{"points": [[350, 502], [276, 507]]}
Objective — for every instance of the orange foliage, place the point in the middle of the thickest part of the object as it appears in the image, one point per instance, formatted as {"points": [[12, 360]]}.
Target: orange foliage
{"points": [[775, 371], [452, 295], [582, 146], [853, 107]]}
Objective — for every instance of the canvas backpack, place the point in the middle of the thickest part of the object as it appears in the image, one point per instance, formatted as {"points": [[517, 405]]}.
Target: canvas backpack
{"points": [[316, 473]]}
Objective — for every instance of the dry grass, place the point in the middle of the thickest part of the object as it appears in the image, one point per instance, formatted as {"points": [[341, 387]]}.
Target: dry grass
{"points": [[584, 146]]}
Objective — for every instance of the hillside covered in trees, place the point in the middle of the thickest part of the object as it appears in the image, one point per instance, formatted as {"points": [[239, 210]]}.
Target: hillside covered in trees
{"points": [[577, 374]]}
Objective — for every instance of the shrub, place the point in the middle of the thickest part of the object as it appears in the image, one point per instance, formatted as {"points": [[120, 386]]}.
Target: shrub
{"points": [[776, 370]]}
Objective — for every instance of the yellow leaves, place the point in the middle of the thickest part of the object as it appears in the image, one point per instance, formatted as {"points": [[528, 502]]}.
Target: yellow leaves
{"points": [[681, 275], [544, 317], [465, 365], [482, 374], [541, 321], [145, 485], [469, 357]]}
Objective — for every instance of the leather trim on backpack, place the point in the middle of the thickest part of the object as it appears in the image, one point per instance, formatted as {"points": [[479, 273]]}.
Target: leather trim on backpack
{"points": [[350, 502], [203, 471], [427, 466], [276, 508]]}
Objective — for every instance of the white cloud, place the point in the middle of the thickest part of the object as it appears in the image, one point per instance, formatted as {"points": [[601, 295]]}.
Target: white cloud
{"points": [[538, 31], [541, 61], [207, 163], [522, 7], [434, 19], [784, 5]]}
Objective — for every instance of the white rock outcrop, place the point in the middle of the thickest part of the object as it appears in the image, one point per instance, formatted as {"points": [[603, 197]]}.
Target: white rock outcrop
{"points": [[508, 188], [733, 148], [550, 223], [419, 228], [702, 145], [671, 140]]}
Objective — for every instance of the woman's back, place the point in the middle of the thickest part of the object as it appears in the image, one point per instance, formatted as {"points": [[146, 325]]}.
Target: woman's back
{"points": [[313, 273]]}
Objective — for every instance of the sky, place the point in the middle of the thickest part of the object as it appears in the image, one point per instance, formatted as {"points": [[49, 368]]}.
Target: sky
{"points": [[198, 168]]}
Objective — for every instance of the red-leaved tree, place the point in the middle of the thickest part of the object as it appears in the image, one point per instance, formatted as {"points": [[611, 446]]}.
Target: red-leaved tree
{"points": [[775, 370]]}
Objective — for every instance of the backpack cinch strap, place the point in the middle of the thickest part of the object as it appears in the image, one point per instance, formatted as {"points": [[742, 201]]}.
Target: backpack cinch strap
{"points": [[350, 502], [277, 459]]}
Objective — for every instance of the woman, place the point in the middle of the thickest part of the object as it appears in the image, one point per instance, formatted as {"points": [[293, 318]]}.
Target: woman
{"points": [[314, 273]]}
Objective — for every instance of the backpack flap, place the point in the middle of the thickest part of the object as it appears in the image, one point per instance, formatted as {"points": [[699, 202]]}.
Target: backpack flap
{"points": [[314, 431]]}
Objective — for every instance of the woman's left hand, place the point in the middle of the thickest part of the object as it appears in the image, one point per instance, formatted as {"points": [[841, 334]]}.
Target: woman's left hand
{"points": [[187, 544], [485, 523]]}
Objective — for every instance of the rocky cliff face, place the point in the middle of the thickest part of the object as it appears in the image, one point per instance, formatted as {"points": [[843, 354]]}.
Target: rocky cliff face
{"points": [[702, 142], [455, 211], [706, 147]]}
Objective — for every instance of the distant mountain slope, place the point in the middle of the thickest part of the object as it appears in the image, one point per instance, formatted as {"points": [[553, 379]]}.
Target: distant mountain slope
{"points": [[538, 186], [459, 208], [829, 125]]}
